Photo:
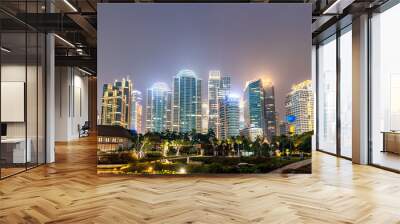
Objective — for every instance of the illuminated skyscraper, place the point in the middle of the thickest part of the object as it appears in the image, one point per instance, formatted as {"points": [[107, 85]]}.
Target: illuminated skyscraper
{"points": [[116, 103], [136, 111], [186, 102], [204, 114], [168, 121], [269, 110], [157, 107], [283, 128], [224, 87], [254, 105], [214, 79], [218, 88], [299, 103], [259, 107], [229, 116]]}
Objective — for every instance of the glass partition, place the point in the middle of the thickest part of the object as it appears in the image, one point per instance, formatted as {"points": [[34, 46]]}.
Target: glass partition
{"points": [[385, 89], [327, 95], [14, 155], [346, 93], [22, 92]]}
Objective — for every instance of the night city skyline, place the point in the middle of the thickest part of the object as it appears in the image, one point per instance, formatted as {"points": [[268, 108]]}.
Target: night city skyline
{"points": [[222, 40]]}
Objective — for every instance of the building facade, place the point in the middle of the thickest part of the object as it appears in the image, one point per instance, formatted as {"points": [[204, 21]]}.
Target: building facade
{"points": [[116, 103], [252, 133], [299, 103], [283, 128], [269, 110], [158, 107], [229, 116], [259, 107], [111, 138], [168, 121], [136, 111], [254, 105], [218, 87], [205, 117], [224, 87], [214, 79], [186, 102]]}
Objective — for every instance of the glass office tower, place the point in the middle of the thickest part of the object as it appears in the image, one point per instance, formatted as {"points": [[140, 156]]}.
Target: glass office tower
{"points": [[254, 105], [158, 98], [229, 113], [259, 107], [269, 110], [186, 102], [218, 88], [214, 80], [136, 111]]}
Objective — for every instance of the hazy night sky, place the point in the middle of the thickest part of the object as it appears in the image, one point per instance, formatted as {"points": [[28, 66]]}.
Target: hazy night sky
{"points": [[152, 42]]}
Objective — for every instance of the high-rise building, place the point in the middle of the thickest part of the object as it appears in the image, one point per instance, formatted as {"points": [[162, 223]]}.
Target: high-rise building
{"points": [[259, 107], [116, 103], [229, 116], [186, 102], [214, 79], [254, 105], [299, 103], [224, 87], [269, 110], [168, 121], [136, 111], [158, 107], [204, 114], [283, 128], [218, 88], [252, 133]]}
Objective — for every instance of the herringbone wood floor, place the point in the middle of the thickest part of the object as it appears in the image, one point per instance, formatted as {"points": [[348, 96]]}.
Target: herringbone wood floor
{"points": [[69, 191]]}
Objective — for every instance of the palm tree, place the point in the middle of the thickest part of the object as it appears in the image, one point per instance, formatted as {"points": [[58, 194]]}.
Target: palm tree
{"points": [[165, 147], [178, 143], [256, 146], [239, 142], [214, 145], [231, 144]]}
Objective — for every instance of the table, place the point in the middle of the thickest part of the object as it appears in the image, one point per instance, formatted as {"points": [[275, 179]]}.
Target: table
{"points": [[13, 150], [391, 141]]}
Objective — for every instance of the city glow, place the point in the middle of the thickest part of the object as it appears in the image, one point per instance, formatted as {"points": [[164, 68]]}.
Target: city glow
{"points": [[160, 86], [266, 81], [234, 96], [182, 170], [186, 73]]}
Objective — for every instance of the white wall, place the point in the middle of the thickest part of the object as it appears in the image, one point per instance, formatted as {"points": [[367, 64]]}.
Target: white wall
{"points": [[71, 103], [33, 126]]}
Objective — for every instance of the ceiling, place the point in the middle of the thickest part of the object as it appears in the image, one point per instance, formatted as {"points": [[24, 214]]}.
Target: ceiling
{"points": [[75, 21]]}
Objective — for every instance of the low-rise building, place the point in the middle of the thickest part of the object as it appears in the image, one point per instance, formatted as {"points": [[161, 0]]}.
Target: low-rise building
{"points": [[110, 138], [252, 133]]}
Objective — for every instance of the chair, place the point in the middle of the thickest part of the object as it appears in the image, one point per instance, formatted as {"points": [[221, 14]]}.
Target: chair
{"points": [[84, 130]]}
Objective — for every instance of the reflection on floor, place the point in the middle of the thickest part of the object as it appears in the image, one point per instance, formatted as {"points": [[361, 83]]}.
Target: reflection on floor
{"points": [[11, 169], [70, 191], [387, 159]]}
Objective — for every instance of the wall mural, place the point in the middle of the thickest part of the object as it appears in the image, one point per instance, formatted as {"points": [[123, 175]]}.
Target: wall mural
{"points": [[204, 89]]}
